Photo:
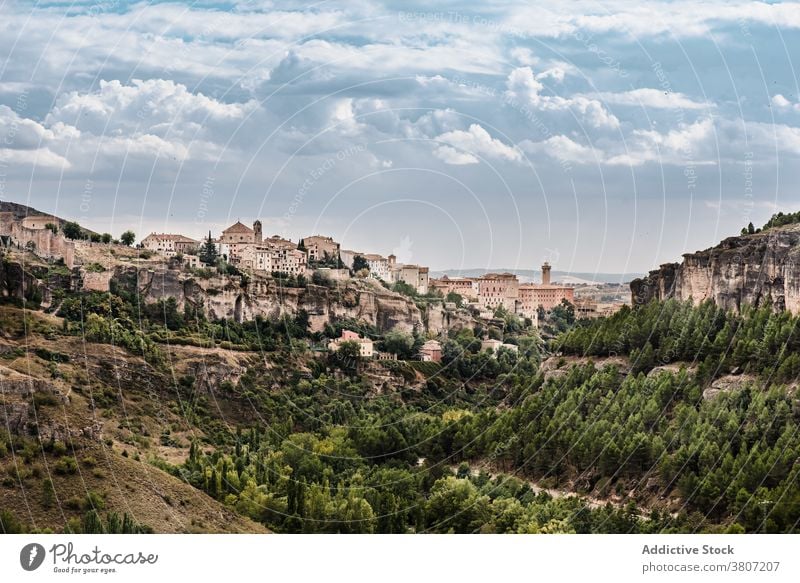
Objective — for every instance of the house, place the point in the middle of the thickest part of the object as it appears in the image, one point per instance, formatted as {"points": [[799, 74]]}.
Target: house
{"points": [[431, 351], [416, 276], [466, 287], [366, 345], [320, 248], [274, 255], [170, 244], [493, 346], [378, 266]]}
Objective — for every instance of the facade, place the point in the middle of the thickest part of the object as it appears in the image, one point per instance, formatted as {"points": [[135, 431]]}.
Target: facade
{"points": [[416, 276], [466, 287], [170, 244], [532, 296], [546, 295], [378, 266], [348, 256], [366, 345], [274, 256], [239, 236], [497, 290], [319, 247], [431, 351]]}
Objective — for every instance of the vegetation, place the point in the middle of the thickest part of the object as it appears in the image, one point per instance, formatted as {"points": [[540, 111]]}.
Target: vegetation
{"points": [[127, 238], [72, 230]]}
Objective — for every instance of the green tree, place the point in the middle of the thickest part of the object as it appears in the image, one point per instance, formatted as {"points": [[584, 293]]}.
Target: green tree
{"points": [[72, 230], [399, 343], [105, 238], [127, 238], [360, 263], [208, 251]]}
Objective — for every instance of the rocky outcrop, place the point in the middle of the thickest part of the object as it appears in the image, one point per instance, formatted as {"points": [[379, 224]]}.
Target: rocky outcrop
{"points": [[243, 298], [745, 270]]}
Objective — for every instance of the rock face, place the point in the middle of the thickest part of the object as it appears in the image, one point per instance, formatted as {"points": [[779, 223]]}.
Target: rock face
{"points": [[745, 270], [241, 299]]}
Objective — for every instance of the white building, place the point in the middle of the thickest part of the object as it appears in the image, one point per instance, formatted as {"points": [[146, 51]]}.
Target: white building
{"points": [[366, 345], [170, 244]]}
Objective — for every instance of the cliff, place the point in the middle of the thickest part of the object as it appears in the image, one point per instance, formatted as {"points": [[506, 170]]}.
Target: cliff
{"points": [[244, 299], [743, 270]]}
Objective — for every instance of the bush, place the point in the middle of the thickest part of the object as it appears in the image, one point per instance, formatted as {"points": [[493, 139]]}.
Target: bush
{"points": [[66, 466]]}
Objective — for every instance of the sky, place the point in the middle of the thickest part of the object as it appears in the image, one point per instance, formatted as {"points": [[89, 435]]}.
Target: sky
{"points": [[601, 137]]}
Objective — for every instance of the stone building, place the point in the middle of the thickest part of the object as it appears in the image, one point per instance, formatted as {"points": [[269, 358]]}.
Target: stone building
{"points": [[170, 244], [320, 248], [416, 276], [239, 236], [466, 287], [31, 233], [546, 295], [431, 351], [497, 290]]}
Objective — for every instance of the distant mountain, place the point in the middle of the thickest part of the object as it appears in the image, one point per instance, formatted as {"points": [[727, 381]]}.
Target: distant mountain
{"points": [[528, 275]]}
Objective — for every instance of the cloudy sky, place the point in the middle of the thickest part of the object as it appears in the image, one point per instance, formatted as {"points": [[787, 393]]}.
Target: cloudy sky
{"points": [[604, 137]]}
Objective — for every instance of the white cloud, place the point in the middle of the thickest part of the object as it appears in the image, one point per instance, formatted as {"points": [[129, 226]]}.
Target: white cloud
{"points": [[523, 85], [564, 149], [688, 143], [466, 146], [781, 102], [155, 106], [653, 99]]}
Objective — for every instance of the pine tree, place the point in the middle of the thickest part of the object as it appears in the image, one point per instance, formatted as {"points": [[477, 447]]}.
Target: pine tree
{"points": [[208, 251]]}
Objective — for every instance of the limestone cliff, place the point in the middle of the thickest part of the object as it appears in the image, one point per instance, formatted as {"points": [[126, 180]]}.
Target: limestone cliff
{"points": [[744, 270], [243, 299]]}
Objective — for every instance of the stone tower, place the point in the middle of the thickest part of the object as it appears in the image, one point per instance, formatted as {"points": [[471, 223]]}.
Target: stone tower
{"points": [[257, 236], [545, 273]]}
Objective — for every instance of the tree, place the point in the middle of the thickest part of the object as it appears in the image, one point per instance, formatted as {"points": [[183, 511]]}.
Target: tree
{"points": [[105, 238], [347, 355], [360, 263], [72, 230], [95, 238], [52, 226], [750, 228], [127, 238], [208, 251], [455, 298], [399, 343]]}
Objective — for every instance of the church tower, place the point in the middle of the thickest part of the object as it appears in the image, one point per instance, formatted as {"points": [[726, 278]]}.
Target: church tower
{"points": [[545, 273], [257, 237]]}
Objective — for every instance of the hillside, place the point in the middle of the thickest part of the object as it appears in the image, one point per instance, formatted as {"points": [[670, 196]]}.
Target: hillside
{"points": [[88, 417]]}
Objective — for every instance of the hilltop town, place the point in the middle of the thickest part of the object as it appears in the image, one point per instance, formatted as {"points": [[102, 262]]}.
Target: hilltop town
{"points": [[437, 304]]}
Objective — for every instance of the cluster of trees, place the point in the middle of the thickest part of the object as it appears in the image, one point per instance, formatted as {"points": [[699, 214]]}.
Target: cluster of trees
{"points": [[365, 479], [73, 230], [760, 340]]}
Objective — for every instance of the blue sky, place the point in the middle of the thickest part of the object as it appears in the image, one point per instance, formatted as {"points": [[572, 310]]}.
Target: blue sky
{"points": [[604, 137]]}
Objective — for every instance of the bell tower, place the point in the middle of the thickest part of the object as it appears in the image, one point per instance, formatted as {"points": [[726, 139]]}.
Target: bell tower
{"points": [[257, 232], [545, 273]]}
